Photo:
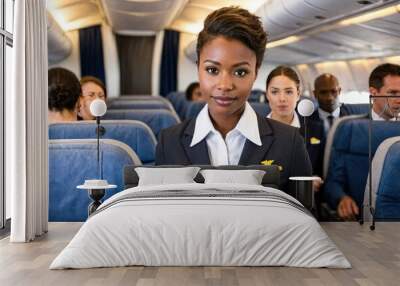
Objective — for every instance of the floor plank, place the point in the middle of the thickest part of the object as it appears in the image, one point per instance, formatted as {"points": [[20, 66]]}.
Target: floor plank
{"points": [[374, 255]]}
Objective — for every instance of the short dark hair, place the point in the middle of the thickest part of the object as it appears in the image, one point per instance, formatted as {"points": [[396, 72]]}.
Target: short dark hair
{"points": [[286, 71], [99, 82], [190, 89], [380, 72], [64, 89], [325, 76], [234, 23]]}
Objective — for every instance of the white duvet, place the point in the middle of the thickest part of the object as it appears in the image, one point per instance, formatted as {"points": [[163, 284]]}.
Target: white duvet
{"points": [[224, 225]]}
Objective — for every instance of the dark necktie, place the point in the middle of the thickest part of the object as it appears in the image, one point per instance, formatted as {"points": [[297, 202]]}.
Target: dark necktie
{"points": [[330, 120]]}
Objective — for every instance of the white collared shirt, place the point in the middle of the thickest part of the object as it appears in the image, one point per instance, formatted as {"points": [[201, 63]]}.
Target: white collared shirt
{"points": [[376, 117], [295, 121], [323, 115], [228, 151]]}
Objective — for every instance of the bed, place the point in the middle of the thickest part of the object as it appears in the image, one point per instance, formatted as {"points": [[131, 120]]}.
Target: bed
{"points": [[201, 224]]}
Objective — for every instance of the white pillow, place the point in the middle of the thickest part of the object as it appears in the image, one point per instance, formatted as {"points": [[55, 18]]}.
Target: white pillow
{"points": [[166, 176], [248, 177]]}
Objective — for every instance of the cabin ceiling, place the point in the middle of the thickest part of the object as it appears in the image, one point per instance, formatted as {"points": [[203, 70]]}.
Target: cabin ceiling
{"points": [[76, 14], [323, 38], [281, 18], [374, 38], [135, 16]]}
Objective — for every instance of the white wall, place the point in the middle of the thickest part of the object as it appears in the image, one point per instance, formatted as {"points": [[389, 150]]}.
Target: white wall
{"points": [[263, 72], [156, 64], [111, 61], [187, 70]]}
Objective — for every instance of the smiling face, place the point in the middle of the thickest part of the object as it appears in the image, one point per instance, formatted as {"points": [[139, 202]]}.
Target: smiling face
{"points": [[282, 94], [227, 71], [90, 92]]}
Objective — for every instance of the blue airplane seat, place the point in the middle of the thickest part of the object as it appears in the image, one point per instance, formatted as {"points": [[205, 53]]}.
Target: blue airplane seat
{"points": [[140, 102], [137, 104], [139, 97], [346, 156], [256, 95], [179, 102], [385, 195], [193, 108], [358, 108], [155, 119], [73, 161], [135, 134], [261, 108]]}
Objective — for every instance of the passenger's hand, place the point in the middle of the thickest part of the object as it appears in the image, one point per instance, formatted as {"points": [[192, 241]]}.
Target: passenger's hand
{"points": [[347, 208], [317, 183]]}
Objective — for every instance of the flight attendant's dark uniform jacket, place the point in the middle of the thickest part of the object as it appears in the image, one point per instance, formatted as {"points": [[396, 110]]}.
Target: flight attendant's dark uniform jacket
{"points": [[281, 145]]}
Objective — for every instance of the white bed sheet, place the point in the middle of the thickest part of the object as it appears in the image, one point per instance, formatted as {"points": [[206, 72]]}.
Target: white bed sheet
{"points": [[202, 231]]}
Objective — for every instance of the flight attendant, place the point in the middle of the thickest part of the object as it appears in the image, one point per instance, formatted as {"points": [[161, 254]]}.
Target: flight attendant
{"points": [[227, 131], [283, 94]]}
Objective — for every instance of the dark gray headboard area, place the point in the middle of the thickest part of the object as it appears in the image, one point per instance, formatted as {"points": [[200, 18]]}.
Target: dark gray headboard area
{"points": [[270, 179]]}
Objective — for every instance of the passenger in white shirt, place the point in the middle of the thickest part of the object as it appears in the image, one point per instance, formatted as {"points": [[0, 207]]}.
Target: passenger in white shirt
{"points": [[389, 84], [230, 50], [283, 94], [327, 92], [384, 80]]}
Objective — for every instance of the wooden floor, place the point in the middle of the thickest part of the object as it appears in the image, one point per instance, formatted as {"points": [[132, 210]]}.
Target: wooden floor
{"points": [[374, 255]]}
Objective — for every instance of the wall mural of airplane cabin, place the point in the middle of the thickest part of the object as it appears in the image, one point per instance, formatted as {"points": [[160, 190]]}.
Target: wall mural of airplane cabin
{"points": [[199, 142]]}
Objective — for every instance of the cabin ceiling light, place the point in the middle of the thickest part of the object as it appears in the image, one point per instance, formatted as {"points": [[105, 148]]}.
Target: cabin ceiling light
{"points": [[60, 18], [253, 5], [190, 27], [283, 41], [372, 15], [394, 59]]}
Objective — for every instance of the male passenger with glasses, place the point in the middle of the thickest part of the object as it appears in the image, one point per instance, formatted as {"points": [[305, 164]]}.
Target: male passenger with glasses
{"points": [[383, 81]]}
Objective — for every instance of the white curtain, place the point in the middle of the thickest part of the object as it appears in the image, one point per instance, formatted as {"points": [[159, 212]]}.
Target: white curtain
{"points": [[26, 123]]}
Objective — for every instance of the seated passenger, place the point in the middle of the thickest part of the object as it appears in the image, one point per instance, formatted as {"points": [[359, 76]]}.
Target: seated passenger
{"points": [[283, 93], [327, 91], [92, 88], [384, 80], [227, 131], [64, 91], [193, 92]]}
